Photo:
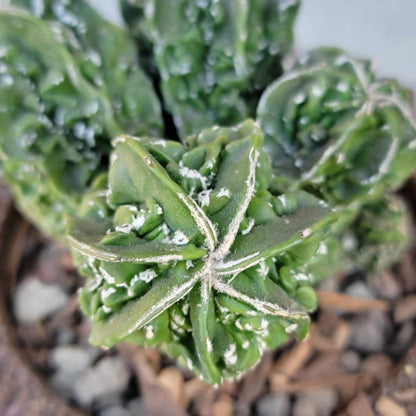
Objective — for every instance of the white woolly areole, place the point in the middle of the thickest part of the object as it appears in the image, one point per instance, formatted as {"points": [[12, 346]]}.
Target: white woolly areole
{"points": [[230, 355]]}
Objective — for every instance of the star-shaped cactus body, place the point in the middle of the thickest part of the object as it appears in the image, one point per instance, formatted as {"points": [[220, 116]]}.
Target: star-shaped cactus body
{"points": [[190, 249]]}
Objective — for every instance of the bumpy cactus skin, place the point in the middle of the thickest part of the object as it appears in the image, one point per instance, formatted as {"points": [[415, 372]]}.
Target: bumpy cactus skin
{"points": [[332, 129], [67, 94], [190, 249], [337, 131], [214, 57]]}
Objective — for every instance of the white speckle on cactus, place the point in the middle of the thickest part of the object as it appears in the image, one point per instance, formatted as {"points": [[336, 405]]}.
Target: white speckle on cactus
{"points": [[107, 276], [189, 264], [230, 355], [306, 233], [238, 325], [245, 344], [322, 204], [107, 292], [412, 144], [341, 158], [149, 333], [250, 226], [342, 86], [263, 269], [317, 91], [106, 309], [125, 228], [180, 320], [162, 143], [185, 308], [159, 210], [137, 221], [193, 174], [291, 328], [166, 230], [177, 328], [224, 192], [147, 275], [302, 277], [179, 238], [299, 98], [189, 363], [209, 345], [323, 248], [341, 60]]}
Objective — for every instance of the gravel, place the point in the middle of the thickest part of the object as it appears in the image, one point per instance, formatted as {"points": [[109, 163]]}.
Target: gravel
{"points": [[274, 404], [109, 376], [315, 403], [35, 300], [369, 331]]}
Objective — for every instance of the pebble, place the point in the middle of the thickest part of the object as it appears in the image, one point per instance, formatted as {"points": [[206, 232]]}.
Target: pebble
{"points": [[359, 290], [350, 360], [137, 407], [274, 404], [369, 331], [115, 411], [315, 403], [405, 309], [109, 376], [35, 300], [385, 285], [70, 359]]}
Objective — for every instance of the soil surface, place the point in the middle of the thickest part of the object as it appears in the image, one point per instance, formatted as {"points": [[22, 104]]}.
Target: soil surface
{"points": [[355, 362]]}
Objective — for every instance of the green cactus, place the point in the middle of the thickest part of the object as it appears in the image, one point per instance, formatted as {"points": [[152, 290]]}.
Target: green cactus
{"points": [[67, 94], [214, 57], [209, 248], [190, 249], [336, 131], [333, 130]]}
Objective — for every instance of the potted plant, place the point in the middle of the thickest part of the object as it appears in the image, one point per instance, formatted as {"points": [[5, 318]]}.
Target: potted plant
{"points": [[204, 193]]}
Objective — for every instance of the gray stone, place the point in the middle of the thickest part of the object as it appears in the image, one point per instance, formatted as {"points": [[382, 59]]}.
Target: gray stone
{"points": [[359, 290], [315, 403], [114, 411], [385, 285], [70, 359], [35, 300], [137, 407], [65, 336], [274, 404], [109, 376], [350, 360], [64, 383], [369, 331]]}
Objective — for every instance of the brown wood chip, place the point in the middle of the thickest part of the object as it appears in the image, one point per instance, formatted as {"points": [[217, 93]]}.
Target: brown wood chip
{"points": [[405, 309], [342, 302], [388, 407]]}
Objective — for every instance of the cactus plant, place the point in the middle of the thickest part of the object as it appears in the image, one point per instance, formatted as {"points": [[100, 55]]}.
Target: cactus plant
{"points": [[214, 57], [196, 253], [65, 98], [207, 247]]}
